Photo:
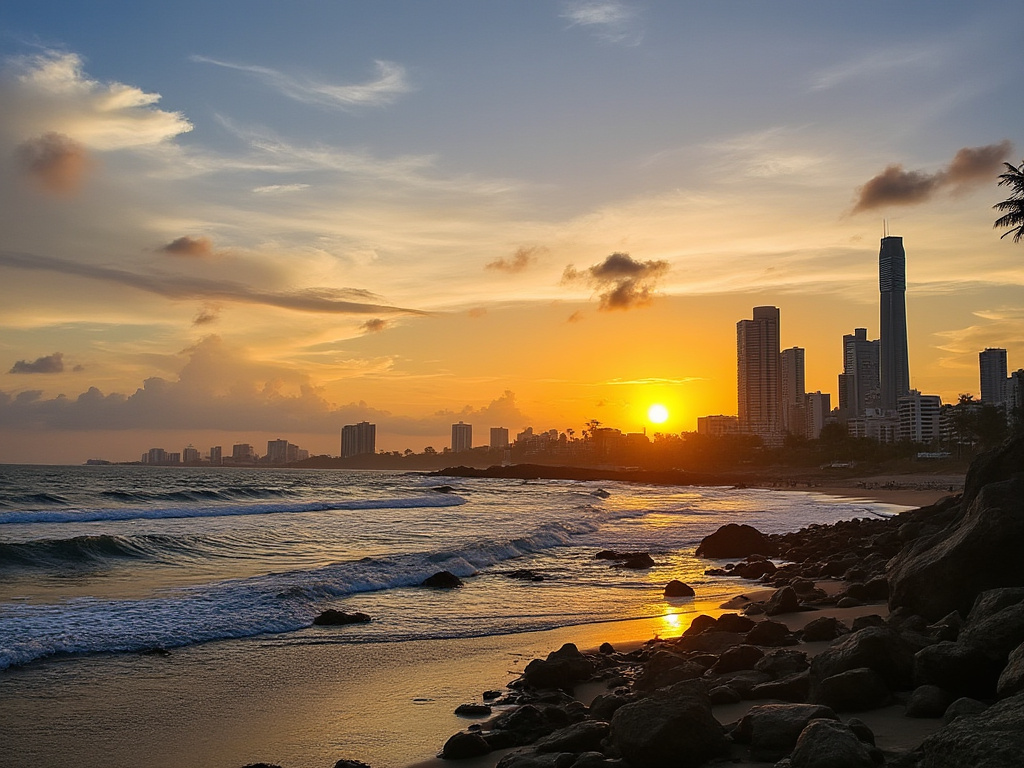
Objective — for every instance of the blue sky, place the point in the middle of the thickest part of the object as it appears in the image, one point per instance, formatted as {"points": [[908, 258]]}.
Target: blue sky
{"points": [[400, 210]]}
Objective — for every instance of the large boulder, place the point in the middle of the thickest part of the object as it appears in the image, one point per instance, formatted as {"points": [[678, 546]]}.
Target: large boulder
{"points": [[784, 600], [463, 745], [332, 617], [672, 729], [1011, 680], [735, 540], [992, 739], [980, 552], [994, 466], [878, 648], [957, 668], [854, 690], [772, 730], [995, 625], [442, 580], [585, 736], [665, 668], [563, 669], [829, 744]]}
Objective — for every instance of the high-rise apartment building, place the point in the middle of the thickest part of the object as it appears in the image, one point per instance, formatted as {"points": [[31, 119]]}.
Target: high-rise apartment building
{"points": [[216, 456], [920, 417], [499, 437], [190, 455], [816, 410], [462, 437], [278, 451], [358, 439], [992, 363], [894, 364], [791, 390], [859, 381], [757, 373], [243, 453]]}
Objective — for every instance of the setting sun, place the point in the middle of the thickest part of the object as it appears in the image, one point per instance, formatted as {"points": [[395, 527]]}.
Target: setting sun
{"points": [[657, 414]]}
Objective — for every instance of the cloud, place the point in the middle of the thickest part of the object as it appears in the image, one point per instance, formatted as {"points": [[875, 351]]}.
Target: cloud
{"points": [[520, 260], [189, 246], [208, 314], [56, 163], [326, 300], [376, 325], [390, 83], [611, 20], [621, 281], [477, 312], [896, 186], [50, 364], [279, 189], [575, 317], [873, 65]]}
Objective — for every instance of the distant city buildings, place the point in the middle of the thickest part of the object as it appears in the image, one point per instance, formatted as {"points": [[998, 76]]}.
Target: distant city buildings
{"points": [[791, 391], [462, 437], [358, 439], [816, 410], [894, 365], [859, 382], [243, 453], [757, 376], [216, 456], [282, 452], [920, 417], [994, 382], [499, 438], [716, 426]]}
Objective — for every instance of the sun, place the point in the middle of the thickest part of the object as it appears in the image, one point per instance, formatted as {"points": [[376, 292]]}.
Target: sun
{"points": [[657, 414]]}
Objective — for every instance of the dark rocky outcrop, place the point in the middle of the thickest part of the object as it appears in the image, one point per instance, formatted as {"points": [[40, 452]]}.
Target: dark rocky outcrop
{"points": [[585, 736], [1011, 680], [830, 744], [350, 764], [878, 648], [770, 633], [442, 580], [676, 588], [473, 710], [928, 701], [735, 540], [854, 690], [671, 729], [825, 628], [772, 730], [331, 617], [463, 745], [992, 739], [784, 600], [564, 669]]}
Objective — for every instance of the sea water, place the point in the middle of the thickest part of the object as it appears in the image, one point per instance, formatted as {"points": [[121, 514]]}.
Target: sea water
{"points": [[121, 559]]}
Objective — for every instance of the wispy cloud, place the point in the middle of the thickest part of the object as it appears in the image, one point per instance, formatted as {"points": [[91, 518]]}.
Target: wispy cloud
{"points": [[611, 20], [384, 89], [520, 261], [326, 300], [651, 380], [873, 64]]}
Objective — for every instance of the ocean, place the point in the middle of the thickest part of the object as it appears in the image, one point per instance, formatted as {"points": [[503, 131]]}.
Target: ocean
{"points": [[126, 559]]}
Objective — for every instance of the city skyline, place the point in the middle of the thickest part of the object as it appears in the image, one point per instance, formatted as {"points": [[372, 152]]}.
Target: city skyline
{"points": [[389, 213]]}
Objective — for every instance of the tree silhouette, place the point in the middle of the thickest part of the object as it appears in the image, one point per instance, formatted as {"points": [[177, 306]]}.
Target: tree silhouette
{"points": [[1013, 206]]}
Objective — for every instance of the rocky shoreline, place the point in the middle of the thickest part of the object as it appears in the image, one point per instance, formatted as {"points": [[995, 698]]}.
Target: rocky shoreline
{"points": [[945, 644]]}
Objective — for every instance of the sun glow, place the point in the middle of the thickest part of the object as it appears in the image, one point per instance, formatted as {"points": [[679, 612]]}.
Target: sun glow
{"points": [[657, 414]]}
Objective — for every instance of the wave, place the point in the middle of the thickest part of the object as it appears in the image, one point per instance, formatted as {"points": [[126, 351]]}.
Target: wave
{"points": [[87, 550], [221, 494], [225, 510]]}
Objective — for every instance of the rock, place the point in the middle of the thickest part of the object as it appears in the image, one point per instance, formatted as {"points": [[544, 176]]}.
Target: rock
{"points": [[262, 765], [957, 668], [672, 729], [928, 701], [795, 687], [737, 658], [473, 710], [534, 760], [770, 633], [700, 623], [676, 588], [877, 648], [825, 628], [830, 744], [604, 706], [772, 730], [463, 745], [723, 694], [525, 574], [994, 627], [754, 569], [734, 622], [491, 695], [442, 580], [783, 662], [963, 706], [563, 669], [849, 602], [861, 730], [1011, 681], [666, 668], [635, 560], [946, 628], [596, 760], [992, 467], [350, 764], [854, 690], [863, 622], [876, 589], [784, 600], [578, 737], [331, 617], [606, 649], [994, 739], [734, 540], [979, 552]]}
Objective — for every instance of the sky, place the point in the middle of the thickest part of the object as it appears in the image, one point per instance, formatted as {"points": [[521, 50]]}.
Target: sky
{"points": [[240, 221]]}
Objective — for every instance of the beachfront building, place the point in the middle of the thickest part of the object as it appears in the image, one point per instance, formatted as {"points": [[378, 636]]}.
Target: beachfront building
{"points": [[894, 365], [499, 437], [282, 452], [859, 381], [191, 455], [757, 375], [816, 410], [716, 426], [216, 456], [876, 425], [243, 453], [791, 394], [462, 437], [358, 439], [920, 417], [992, 365]]}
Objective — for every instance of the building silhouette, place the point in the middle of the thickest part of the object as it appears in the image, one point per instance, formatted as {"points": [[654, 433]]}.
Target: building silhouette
{"points": [[791, 390], [358, 439], [859, 382], [462, 437], [992, 363], [757, 374], [894, 365], [216, 456], [499, 437], [920, 417]]}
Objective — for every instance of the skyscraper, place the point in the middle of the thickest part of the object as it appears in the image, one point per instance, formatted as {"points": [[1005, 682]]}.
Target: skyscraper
{"points": [[757, 372], [992, 363], [357, 439], [894, 365], [462, 437], [791, 392], [859, 381]]}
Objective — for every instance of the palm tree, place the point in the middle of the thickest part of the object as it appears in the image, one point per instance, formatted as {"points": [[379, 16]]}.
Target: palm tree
{"points": [[1013, 206]]}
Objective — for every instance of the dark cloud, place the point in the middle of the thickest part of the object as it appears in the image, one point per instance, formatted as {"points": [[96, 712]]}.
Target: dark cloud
{"points": [[56, 163], [520, 260], [620, 281], [575, 317], [376, 325], [326, 300], [189, 246], [209, 313], [897, 186], [50, 364]]}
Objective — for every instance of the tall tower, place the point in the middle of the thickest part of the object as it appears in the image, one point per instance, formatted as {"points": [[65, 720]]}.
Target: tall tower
{"points": [[894, 366], [859, 382], [791, 390], [757, 372], [357, 439], [462, 437], [993, 375]]}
